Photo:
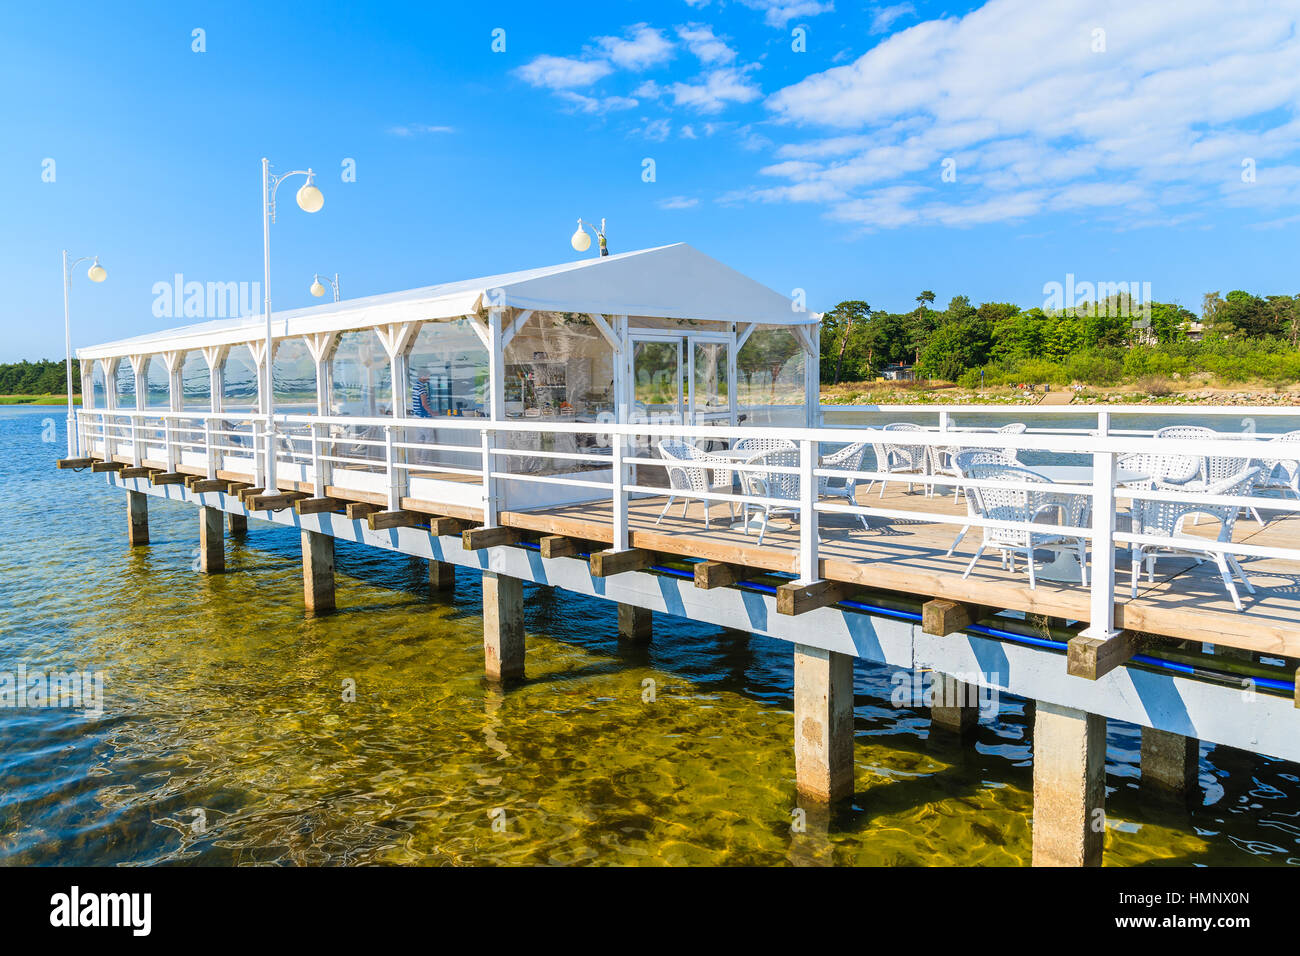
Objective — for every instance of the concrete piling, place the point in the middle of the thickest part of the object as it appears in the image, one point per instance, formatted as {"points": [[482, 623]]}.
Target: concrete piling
{"points": [[823, 724], [1069, 786]]}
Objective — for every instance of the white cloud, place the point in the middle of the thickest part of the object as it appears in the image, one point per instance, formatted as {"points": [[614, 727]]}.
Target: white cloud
{"points": [[704, 45], [415, 129], [778, 13], [642, 48], [884, 17], [596, 104], [688, 132], [678, 202], [1036, 122], [656, 130], [711, 92], [562, 72]]}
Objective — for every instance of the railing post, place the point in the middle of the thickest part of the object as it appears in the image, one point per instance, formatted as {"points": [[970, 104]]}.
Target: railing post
{"points": [[317, 466], [137, 444], [619, 476], [169, 443], [390, 463], [1101, 597], [209, 453], [271, 433], [809, 570], [490, 502]]}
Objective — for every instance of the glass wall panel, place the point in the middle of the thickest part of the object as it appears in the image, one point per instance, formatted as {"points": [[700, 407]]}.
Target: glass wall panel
{"points": [[361, 386], [196, 383], [450, 377], [239, 390], [99, 391], [157, 382], [559, 367], [293, 378], [770, 367], [125, 385]]}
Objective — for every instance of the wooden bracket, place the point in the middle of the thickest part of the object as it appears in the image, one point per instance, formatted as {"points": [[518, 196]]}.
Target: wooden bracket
{"points": [[796, 598], [358, 510], [606, 563], [315, 506], [139, 471], [277, 502], [720, 574], [476, 539], [443, 527], [100, 466], [941, 618], [243, 494], [383, 520], [168, 478], [76, 462], [201, 485], [1092, 657], [560, 546]]}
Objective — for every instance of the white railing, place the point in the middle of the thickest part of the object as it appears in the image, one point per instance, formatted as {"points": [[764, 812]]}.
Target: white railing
{"points": [[477, 462]]}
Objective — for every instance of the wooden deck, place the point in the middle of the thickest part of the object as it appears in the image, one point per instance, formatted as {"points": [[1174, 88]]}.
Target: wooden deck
{"points": [[909, 556]]}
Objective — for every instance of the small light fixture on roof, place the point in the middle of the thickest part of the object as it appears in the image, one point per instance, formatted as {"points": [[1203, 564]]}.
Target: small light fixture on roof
{"points": [[318, 288], [581, 241]]}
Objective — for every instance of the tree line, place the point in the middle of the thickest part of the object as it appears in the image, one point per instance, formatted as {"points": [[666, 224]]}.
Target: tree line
{"points": [[45, 377], [1236, 337]]}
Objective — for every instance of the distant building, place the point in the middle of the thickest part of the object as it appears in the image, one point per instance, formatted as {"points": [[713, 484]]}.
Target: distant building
{"points": [[898, 373]]}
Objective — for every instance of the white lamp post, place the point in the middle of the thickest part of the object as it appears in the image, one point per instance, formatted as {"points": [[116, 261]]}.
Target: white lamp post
{"points": [[309, 200], [581, 242], [318, 289], [96, 273]]}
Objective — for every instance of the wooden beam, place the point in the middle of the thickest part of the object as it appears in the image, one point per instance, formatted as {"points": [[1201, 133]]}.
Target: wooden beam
{"points": [[168, 478], [138, 471], [76, 462], [315, 506], [606, 563], [358, 510], [100, 466], [243, 494], [444, 527], [201, 485], [1092, 658], [560, 546], [476, 539], [382, 520], [796, 598], [720, 574], [941, 618], [277, 502]]}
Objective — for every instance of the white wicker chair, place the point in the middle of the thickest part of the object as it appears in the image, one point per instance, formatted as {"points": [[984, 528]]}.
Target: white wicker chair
{"points": [[962, 462], [704, 474], [1282, 474], [941, 456], [1213, 468], [1166, 518], [1021, 509], [771, 484], [757, 445], [848, 458], [1169, 469], [900, 459]]}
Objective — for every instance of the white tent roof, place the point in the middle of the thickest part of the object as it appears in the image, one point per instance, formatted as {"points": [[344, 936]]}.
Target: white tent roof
{"points": [[673, 282]]}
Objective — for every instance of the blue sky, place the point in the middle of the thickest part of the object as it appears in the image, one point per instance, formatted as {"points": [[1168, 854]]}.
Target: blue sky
{"points": [[1164, 149]]}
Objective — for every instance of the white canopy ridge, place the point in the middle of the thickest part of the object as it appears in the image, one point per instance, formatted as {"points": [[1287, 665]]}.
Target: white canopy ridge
{"points": [[671, 282]]}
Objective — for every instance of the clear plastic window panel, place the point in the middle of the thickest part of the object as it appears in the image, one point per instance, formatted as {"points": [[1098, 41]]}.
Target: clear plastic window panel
{"points": [[361, 386], [771, 384], [450, 378], [559, 367]]}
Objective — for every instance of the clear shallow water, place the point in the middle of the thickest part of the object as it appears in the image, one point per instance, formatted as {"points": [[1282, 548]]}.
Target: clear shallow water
{"points": [[224, 704]]}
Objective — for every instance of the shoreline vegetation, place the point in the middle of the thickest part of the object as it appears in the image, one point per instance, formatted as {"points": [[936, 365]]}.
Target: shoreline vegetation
{"points": [[948, 393]]}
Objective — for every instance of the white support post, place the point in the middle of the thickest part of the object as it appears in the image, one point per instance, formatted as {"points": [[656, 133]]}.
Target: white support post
{"points": [[271, 433], [1102, 594], [808, 562], [209, 453], [490, 503], [394, 473], [317, 466], [620, 495]]}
